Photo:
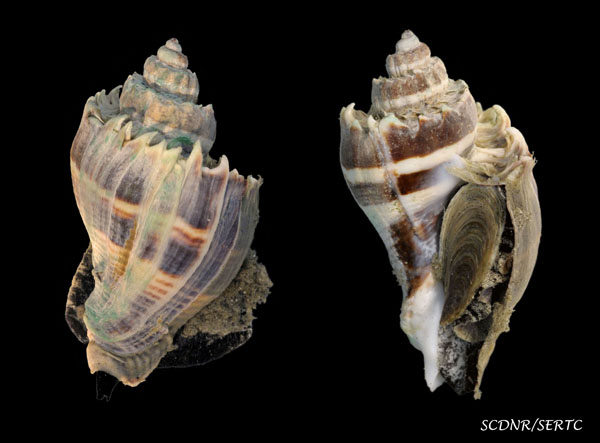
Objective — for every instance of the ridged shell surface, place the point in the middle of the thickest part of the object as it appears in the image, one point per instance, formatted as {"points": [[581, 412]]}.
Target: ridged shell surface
{"points": [[423, 138], [168, 231]]}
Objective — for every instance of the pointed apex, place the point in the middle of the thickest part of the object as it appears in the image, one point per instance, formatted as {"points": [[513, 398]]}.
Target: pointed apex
{"points": [[407, 42], [173, 44], [408, 34], [171, 55]]}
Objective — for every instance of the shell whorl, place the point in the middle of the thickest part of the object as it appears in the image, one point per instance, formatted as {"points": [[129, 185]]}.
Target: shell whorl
{"points": [[167, 71], [165, 98], [171, 54], [414, 77]]}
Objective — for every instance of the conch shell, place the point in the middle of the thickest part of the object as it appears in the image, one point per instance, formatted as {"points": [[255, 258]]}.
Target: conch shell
{"points": [[169, 229], [449, 188]]}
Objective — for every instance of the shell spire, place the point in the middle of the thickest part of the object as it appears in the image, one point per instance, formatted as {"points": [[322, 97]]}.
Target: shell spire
{"points": [[165, 98], [415, 76], [171, 54], [168, 71]]}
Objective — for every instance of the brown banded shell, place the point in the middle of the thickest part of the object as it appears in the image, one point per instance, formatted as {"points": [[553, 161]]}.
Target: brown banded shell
{"points": [[449, 188], [169, 228]]}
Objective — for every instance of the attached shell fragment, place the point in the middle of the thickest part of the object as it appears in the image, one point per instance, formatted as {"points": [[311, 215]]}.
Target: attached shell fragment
{"points": [[169, 228], [499, 159], [437, 177], [469, 242]]}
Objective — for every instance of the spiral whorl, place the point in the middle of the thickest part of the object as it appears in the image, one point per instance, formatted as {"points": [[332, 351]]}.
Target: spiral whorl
{"points": [[414, 76], [165, 98], [171, 55], [167, 71], [410, 54]]}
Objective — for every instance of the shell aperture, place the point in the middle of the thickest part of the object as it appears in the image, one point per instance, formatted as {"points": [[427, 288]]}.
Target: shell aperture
{"points": [[169, 228], [450, 190]]}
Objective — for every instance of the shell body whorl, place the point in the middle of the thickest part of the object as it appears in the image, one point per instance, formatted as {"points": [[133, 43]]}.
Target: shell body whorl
{"points": [[168, 229], [423, 139]]}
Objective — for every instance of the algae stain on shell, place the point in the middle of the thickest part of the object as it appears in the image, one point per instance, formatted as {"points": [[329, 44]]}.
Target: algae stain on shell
{"points": [[170, 228]]}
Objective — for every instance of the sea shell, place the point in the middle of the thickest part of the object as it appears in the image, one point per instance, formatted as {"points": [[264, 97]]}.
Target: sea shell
{"points": [[169, 229], [450, 190]]}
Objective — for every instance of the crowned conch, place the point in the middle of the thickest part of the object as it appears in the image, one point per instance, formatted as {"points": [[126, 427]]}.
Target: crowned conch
{"points": [[169, 227], [450, 190]]}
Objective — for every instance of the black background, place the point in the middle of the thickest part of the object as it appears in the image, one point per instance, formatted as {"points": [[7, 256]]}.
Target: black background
{"points": [[327, 357]]}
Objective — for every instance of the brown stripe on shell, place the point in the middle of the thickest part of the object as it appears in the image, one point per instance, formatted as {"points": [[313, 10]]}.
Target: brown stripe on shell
{"points": [[163, 282], [417, 181], [123, 211], [367, 194], [420, 81], [408, 246], [157, 289], [150, 294], [191, 237], [357, 150], [417, 278], [119, 264], [435, 132], [404, 243]]}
